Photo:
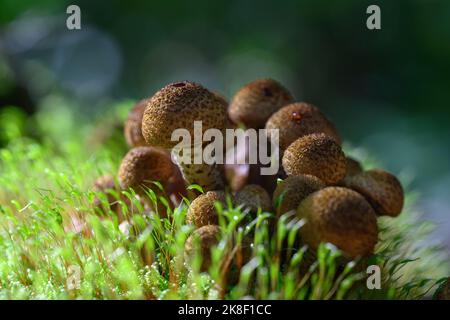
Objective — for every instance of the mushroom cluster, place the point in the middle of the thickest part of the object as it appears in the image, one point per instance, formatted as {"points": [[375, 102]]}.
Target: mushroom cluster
{"points": [[338, 200]]}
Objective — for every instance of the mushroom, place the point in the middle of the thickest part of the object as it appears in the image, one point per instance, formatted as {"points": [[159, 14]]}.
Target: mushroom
{"points": [[202, 210], [176, 106], [339, 216], [107, 185], [318, 155], [240, 174], [254, 103], [133, 124], [291, 191], [382, 189], [353, 166], [443, 292], [299, 119], [208, 236], [252, 198], [142, 166]]}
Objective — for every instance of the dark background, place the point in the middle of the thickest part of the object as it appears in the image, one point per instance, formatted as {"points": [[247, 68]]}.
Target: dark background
{"points": [[388, 90]]}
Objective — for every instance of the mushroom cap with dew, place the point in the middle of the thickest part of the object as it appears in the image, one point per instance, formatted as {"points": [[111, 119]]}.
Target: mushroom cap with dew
{"points": [[253, 197], [133, 125], [339, 216], [207, 237], [318, 155], [299, 119], [290, 192], [254, 103], [142, 166], [202, 210], [382, 189], [178, 105]]}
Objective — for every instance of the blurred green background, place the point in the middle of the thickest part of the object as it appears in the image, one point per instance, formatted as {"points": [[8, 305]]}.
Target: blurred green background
{"points": [[388, 91]]}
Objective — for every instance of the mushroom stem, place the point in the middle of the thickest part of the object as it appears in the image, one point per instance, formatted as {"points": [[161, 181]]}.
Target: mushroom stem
{"points": [[195, 170]]}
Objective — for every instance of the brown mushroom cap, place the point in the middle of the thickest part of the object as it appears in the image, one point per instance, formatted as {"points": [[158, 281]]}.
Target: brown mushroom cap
{"points": [[353, 166], [254, 103], [143, 165], [208, 236], [299, 119], [178, 105], [253, 197], [443, 293], [339, 216], [382, 189], [292, 190], [133, 125], [318, 155], [106, 184], [202, 210]]}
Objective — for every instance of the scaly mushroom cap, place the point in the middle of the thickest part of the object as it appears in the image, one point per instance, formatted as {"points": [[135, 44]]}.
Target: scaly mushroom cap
{"points": [[292, 190], [382, 189], [254, 103], [202, 210], [353, 166], [143, 165], [208, 236], [339, 216], [178, 105], [133, 125], [253, 197], [318, 155], [443, 293], [299, 119]]}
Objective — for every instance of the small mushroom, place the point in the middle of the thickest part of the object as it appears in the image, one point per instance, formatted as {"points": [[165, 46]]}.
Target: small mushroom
{"points": [[318, 155], [254, 103], [202, 210], [107, 185], [382, 189], [353, 166], [208, 236], [339, 216], [252, 198], [443, 292], [299, 119], [142, 166], [176, 106], [133, 125], [292, 190]]}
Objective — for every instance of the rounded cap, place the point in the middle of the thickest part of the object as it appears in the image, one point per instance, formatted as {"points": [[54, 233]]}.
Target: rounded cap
{"points": [[178, 105], [106, 185], [339, 216], [318, 155], [133, 125], [208, 236], [292, 190], [382, 189], [143, 165], [202, 210], [254, 103], [299, 119], [353, 166], [253, 197]]}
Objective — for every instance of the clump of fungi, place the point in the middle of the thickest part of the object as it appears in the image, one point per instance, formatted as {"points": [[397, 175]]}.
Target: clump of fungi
{"points": [[338, 200]]}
